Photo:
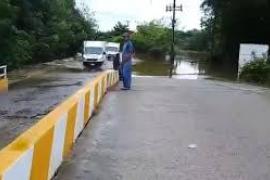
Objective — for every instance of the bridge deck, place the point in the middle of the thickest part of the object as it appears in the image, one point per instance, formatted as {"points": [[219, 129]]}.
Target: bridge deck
{"points": [[145, 133]]}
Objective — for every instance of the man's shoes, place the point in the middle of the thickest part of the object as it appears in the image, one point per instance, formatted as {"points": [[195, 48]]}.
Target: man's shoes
{"points": [[125, 89]]}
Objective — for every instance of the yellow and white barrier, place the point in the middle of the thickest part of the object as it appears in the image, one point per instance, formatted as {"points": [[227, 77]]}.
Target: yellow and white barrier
{"points": [[3, 79], [38, 152]]}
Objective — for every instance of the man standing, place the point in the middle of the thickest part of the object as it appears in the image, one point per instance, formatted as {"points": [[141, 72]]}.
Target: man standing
{"points": [[127, 54]]}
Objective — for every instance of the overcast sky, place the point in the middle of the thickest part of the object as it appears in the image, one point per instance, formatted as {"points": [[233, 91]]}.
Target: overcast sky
{"points": [[108, 12]]}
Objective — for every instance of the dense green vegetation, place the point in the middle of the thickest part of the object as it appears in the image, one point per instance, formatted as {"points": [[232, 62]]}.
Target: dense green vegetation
{"points": [[152, 37], [33, 31], [257, 71], [231, 22]]}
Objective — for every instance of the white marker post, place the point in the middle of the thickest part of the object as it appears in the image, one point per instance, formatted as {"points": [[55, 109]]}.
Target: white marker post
{"points": [[3, 69]]}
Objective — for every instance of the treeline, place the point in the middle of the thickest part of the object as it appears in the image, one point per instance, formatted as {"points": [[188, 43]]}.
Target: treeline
{"points": [[114, 35], [194, 40], [33, 31], [231, 22], [154, 38]]}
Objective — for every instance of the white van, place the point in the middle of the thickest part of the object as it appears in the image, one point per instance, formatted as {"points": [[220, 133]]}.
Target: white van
{"points": [[112, 49], [94, 53]]}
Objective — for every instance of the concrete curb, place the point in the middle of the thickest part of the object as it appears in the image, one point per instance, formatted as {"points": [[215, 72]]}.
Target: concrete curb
{"points": [[37, 153]]}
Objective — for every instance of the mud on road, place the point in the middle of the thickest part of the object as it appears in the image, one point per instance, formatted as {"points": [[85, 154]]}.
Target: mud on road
{"points": [[34, 91]]}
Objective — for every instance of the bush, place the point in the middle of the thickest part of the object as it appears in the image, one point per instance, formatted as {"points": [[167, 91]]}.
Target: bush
{"points": [[257, 71]]}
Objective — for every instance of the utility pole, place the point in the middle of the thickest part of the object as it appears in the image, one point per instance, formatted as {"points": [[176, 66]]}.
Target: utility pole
{"points": [[173, 8]]}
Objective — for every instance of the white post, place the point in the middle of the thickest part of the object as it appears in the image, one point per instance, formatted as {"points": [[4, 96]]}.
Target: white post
{"points": [[4, 75]]}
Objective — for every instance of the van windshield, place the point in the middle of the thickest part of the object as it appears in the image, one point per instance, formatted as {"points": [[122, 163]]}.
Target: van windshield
{"points": [[112, 49], [93, 50]]}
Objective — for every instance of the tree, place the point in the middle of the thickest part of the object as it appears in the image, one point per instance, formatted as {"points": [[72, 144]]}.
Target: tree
{"points": [[115, 35], [33, 31], [233, 22], [153, 38], [119, 29]]}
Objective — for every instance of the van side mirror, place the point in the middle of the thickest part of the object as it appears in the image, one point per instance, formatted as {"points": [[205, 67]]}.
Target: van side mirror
{"points": [[104, 53]]}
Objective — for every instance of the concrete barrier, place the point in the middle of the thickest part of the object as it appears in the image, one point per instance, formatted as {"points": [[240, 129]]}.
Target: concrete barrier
{"points": [[37, 153], [3, 79]]}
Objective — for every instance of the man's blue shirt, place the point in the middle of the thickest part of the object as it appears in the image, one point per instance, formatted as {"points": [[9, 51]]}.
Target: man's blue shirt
{"points": [[128, 51]]}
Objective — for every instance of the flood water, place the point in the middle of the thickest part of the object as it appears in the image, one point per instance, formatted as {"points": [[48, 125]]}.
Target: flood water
{"points": [[187, 66]]}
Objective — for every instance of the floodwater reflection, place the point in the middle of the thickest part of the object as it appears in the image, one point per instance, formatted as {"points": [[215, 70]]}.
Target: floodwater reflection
{"points": [[186, 67]]}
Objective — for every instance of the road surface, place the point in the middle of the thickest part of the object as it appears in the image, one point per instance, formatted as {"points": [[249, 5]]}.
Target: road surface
{"points": [[176, 129], [35, 91]]}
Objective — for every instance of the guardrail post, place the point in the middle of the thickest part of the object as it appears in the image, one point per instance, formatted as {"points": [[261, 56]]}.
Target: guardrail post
{"points": [[5, 71], [3, 79], [4, 75]]}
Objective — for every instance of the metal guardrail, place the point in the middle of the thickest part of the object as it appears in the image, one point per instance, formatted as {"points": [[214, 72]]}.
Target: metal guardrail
{"points": [[3, 72]]}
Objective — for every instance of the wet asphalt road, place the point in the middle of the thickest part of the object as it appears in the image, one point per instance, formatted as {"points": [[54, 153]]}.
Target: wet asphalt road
{"points": [[144, 134], [35, 93]]}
